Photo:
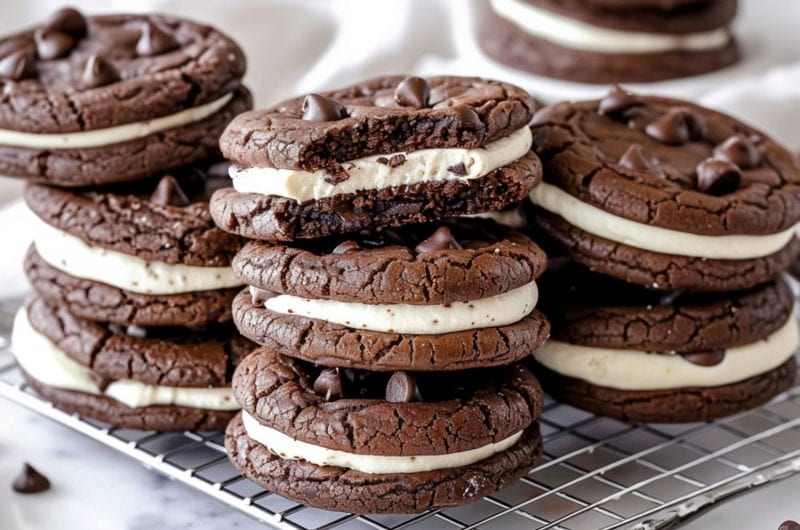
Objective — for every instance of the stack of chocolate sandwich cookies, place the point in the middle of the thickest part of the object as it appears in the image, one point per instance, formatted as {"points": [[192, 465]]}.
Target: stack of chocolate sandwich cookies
{"points": [[608, 41], [674, 199], [130, 320], [389, 378]]}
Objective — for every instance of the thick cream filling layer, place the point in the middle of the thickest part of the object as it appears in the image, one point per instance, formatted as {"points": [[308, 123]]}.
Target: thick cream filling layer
{"points": [[426, 165], [289, 448], [111, 135], [600, 223], [77, 258], [43, 361], [499, 310], [638, 370], [578, 35]]}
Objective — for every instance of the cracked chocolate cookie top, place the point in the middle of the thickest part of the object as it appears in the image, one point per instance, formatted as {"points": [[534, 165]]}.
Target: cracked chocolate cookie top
{"points": [[446, 413], [177, 356], [380, 116], [164, 219], [438, 263], [74, 73], [594, 310], [669, 163]]}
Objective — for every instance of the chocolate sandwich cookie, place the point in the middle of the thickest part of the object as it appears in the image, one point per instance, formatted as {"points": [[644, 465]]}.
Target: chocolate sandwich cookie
{"points": [[95, 100], [627, 352], [386, 152], [446, 296], [608, 41], [363, 442], [133, 377], [144, 253], [666, 194]]}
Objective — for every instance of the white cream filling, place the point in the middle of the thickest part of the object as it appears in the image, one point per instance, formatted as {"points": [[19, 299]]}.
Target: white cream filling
{"points": [[289, 448], [510, 218], [426, 165], [499, 310], [598, 222], [77, 258], [638, 370], [43, 361], [111, 135], [576, 34]]}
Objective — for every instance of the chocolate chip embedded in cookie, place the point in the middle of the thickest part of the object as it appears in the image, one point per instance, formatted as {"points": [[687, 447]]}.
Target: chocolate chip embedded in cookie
{"points": [[647, 356], [608, 41], [466, 435], [665, 193], [101, 99], [445, 296], [122, 377], [145, 254], [407, 150]]}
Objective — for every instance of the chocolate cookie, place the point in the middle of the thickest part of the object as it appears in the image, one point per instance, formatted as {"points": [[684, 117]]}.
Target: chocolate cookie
{"points": [[665, 193], [606, 42], [399, 444], [146, 254], [448, 296], [95, 100], [646, 356], [387, 152], [173, 381]]}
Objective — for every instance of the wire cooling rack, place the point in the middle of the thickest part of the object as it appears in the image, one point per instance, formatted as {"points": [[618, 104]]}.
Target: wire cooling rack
{"points": [[597, 472]]}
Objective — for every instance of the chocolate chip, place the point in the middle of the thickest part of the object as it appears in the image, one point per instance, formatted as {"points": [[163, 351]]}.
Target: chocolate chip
{"points": [[705, 358], [739, 150], [718, 177], [98, 72], [321, 108], [154, 41], [52, 44], [677, 126], [617, 101], [346, 247], [30, 481], [18, 66], [459, 169], [413, 92], [789, 525], [638, 159], [467, 115], [441, 239], [329, 384], [169, 193], [258, 296], [401, 388], [397, 160], [70, 21]]}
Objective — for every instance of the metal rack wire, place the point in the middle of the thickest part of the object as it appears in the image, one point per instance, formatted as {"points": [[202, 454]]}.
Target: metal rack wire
{"points": [[597, 473]]}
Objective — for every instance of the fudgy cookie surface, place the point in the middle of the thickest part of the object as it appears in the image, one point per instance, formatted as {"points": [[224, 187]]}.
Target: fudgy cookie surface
{"points": [[476, 259], [105, 303], [461, 112], [346, 490], [150, 66], [164, 219], [664, 271], [654, 17], [671, 406], [509, 44], [640, 158], [267, 217], [125, 161], [152, 418], [456, 412], [597, 311], [331, 344], [178, 357]]}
